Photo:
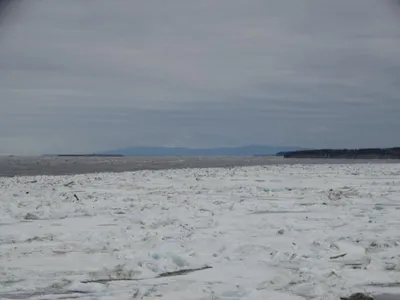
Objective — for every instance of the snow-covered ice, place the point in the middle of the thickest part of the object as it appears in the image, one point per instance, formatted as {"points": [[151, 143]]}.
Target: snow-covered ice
{"points": [[274, 232]]}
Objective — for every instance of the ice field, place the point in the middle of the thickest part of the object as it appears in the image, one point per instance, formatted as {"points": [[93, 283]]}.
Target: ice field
{"points": [[282, 232]]}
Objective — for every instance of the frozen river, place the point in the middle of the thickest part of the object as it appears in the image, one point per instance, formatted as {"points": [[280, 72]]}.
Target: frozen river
{"points": [[280, 231], [17, 166]]}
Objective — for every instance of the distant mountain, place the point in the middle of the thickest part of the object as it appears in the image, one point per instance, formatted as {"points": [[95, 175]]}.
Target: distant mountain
{"points": [[180, 151]]}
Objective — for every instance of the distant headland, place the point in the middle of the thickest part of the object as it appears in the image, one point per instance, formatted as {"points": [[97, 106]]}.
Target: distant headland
{"points": [[364, 153]]}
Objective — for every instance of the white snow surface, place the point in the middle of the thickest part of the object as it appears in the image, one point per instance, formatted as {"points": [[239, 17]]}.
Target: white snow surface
{"points": [[267, 232]]}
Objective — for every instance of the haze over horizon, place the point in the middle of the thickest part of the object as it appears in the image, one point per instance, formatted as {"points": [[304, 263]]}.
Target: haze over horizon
{"points": [[89, 76]]}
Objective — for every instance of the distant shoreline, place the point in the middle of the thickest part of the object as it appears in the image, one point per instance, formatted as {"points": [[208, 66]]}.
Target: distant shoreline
{"points": [[362, 153], [87, 155]]}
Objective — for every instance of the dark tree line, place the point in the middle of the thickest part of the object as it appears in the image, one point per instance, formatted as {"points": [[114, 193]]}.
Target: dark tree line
{"points": [[366, 153]]}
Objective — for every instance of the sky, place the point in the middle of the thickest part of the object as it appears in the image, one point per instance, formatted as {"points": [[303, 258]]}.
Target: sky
{"points": [[94, 75]]}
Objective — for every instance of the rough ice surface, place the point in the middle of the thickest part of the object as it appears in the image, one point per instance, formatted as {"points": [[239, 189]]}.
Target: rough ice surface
{"points": [[274, 232]]}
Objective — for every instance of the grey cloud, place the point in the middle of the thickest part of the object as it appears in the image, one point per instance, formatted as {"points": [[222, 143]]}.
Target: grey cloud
{"points": [[92, 75]]}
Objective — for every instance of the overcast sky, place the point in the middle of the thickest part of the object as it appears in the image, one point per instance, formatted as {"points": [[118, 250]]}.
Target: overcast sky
{"points": [[85, 76]]}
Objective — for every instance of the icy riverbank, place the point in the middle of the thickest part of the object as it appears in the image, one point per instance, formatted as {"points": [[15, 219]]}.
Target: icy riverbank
{"points": [[287, 232]]}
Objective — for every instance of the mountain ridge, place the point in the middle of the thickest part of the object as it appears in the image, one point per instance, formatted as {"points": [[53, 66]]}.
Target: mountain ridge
{"points": [[249, 150]]}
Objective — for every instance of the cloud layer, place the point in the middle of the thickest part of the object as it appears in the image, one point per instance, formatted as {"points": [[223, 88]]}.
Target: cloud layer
{"points": [[96, 75]]}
